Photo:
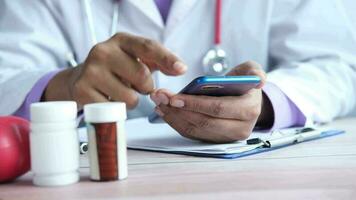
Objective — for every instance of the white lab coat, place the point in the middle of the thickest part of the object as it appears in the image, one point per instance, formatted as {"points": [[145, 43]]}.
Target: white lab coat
{"points": [[307, 46]]}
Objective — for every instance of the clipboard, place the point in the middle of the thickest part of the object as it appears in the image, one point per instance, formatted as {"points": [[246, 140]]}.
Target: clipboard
{"points": [[258, 150]]}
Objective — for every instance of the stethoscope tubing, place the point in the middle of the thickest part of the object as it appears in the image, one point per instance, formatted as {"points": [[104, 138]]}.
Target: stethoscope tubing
{"points": [[217, 28], [91, 26]]}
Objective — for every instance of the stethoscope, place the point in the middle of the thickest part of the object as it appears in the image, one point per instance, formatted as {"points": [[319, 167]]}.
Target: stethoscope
{"points": [[215, 61]]}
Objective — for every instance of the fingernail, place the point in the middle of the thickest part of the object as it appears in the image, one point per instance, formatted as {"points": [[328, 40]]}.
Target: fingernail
{"points": [[155, 99], [177, 103], [163, 98], [179, 66], [159, 112]]}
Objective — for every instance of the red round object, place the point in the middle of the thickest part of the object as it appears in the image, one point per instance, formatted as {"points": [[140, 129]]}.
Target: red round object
{"points": [[14, 147]]}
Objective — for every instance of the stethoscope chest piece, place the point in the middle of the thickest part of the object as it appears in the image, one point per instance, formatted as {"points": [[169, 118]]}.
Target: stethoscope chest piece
{"points": [[215, 62]]}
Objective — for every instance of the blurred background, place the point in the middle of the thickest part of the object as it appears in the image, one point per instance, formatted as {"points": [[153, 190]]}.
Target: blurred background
{"points": [[351, 11]]}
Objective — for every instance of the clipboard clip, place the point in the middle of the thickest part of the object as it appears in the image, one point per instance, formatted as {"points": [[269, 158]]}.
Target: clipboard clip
{"points": [[254, 141], [299, 135]]}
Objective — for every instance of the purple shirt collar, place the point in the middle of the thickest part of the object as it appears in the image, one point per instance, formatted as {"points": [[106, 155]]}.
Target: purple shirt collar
{"points": [[163, 7]]}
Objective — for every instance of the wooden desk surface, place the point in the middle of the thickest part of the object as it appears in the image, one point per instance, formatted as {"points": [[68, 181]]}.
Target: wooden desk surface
{"points": [[322, 169]]}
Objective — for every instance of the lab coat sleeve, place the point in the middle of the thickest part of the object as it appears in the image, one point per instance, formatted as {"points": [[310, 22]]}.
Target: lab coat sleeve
{"points": [[312, 48], [31, 45]]}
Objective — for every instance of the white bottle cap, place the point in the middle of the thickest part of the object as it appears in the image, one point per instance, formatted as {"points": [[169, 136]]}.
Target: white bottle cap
{"points": [[105, 112], [53, 111]]}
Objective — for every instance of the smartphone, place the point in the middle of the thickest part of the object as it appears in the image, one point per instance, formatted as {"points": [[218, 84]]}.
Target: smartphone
{"points": [[216, 86]]}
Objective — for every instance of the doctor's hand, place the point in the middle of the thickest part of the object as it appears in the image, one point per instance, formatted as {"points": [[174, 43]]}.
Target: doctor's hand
{"points": [[216, 119], [115, 70]]}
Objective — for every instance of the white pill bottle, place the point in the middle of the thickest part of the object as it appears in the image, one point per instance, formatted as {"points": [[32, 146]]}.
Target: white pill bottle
{"points": [[54, 143]]}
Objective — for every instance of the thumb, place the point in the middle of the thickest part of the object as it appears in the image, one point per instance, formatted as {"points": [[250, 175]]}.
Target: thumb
{"points": [[249, 68]]}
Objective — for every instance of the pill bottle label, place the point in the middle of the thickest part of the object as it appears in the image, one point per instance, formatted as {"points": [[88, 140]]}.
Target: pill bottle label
{"points": [[107, 151]]}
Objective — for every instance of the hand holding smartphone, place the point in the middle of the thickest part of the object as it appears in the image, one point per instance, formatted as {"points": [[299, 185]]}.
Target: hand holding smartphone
{"points": [[216, 86]]}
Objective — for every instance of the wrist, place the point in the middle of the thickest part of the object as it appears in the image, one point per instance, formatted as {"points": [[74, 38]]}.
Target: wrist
{"points": [[266, 118], [58, 87]]}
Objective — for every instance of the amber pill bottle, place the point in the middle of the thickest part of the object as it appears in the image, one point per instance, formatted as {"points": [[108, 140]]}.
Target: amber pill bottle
{"points": [[107, 140]]}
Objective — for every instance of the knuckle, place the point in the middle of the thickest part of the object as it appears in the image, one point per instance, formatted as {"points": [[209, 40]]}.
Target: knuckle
{"points": [[165, 59], [217, 108], [256, 111], [131, 100], [100, 51], [188, 131], [91, 71], [148, 45], [119, 36], [253, 112], [194, 105], [141, 75]]}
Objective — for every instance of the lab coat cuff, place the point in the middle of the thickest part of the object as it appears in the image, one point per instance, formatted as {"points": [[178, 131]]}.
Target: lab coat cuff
{"points": [[286, 113]]}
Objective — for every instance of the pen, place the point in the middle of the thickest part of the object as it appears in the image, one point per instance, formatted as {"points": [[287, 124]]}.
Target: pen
{"points": [[300, 135]]}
